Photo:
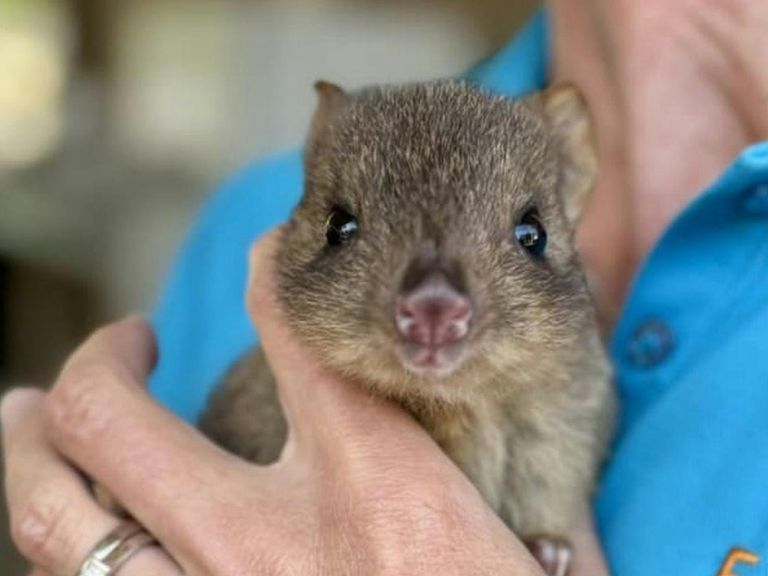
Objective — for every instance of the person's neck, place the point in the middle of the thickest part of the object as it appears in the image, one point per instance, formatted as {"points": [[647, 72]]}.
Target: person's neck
{"points": [[671, 112]]}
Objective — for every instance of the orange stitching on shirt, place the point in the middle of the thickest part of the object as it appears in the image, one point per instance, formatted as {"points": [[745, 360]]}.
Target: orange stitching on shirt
{"points": [[737, 556]]}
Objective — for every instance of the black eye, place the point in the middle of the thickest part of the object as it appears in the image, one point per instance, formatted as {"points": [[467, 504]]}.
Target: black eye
{"points": [[530, 233], [340, 227]]}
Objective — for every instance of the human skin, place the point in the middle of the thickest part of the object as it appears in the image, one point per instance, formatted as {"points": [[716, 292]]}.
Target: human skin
{"points": [[360, 489], [678, 88]]}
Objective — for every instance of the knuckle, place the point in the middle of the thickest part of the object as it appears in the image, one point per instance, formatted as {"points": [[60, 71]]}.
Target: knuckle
{"points": [[223, 547], [425, 507], [436, 512], [76, 409], [38, 530], [404, 518], [402, 489]]}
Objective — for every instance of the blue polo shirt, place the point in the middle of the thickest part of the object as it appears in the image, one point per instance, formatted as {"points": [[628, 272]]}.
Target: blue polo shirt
{"points": [[686, 489]]}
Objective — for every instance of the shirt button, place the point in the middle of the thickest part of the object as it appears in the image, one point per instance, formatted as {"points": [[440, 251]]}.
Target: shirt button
{"points": [[757, 200], [650, 344]]}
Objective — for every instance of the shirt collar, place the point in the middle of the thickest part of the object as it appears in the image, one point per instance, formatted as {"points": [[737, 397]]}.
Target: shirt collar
{"points": [[697, 284]]}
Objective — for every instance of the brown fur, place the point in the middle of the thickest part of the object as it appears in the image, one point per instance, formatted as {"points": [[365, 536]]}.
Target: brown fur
{"points": [[440, 173]]}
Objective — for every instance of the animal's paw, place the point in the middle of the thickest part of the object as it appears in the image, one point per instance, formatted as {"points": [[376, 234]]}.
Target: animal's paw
{"points": [[554, 554]]}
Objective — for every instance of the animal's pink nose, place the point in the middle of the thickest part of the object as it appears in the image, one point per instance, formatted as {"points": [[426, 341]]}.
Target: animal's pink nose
{"points": [[433, 313]]}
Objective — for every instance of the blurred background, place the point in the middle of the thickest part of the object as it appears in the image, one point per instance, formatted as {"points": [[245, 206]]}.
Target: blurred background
{"points": [[117, 118]]}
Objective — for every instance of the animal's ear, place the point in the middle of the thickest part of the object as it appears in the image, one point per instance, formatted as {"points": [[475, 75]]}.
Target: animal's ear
{"points": [[570, 123], [330, 98]]}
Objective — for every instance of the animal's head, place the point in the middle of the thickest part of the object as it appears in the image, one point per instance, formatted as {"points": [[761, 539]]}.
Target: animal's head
{"points": [[432, 252]]}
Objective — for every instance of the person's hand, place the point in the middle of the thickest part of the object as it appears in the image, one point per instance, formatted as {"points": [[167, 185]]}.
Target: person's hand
{"points": [[360, 488]]}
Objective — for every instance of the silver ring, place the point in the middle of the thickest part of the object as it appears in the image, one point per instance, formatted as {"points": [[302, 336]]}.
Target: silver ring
{"points": [[115, 549]]}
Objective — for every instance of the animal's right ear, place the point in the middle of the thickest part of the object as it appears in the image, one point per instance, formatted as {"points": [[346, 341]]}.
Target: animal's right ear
{"points": [[330, 98]]}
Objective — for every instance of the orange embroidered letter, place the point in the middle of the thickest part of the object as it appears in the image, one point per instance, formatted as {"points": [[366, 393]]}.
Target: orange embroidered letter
{"points": [[737, 556]]}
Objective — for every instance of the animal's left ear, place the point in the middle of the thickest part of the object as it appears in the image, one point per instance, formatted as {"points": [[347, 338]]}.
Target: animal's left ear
{"points": [[570, 123]]}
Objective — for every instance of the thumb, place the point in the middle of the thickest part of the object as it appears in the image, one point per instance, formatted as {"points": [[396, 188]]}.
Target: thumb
{"points": [[321, 406]]}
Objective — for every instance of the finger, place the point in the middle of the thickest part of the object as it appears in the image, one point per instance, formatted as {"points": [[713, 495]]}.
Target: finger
{"points": [[54, 521], [152, 561], [322, 407], [128, 346], [171, 478], [588, 559]]}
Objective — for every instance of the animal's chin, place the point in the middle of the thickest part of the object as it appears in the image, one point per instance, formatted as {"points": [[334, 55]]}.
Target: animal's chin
{"points": [[432, 362]]}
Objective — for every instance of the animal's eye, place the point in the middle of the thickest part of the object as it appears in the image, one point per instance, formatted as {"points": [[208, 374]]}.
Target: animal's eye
{"points": [[530, 233], [340, 227]]}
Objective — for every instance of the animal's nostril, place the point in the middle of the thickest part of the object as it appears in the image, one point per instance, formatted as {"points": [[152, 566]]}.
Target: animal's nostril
{"points": [[433, 313]]}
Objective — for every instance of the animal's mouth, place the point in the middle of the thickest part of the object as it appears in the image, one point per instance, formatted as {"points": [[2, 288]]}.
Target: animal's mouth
{"points": [[433, 317], [432, 361]]}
